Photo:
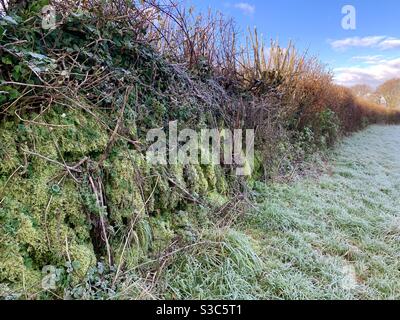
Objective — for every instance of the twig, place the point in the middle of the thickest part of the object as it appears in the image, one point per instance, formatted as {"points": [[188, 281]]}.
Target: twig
{"points": [[68, 168], [8, 180], [67, 249], [131, 230], [185, 192], [43, 123], [115, 132], [27, 85], [100, 204]]}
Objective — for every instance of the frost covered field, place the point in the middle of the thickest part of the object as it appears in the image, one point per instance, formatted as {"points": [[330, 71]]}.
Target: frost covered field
{"points": [[332, 237], [338, 237]]}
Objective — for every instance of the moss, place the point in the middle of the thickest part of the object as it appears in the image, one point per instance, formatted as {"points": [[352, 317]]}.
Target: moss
{"points": [[68, 208], [169, 183], [9, 159], [210, 174], [83, 258], [42, 214], [185, 226], [36, 217], [162, 191], [11, 261], [30, 237], [177, 171], [125, 198], [83, 136], [216, 199], [163, 233], [15, 268], [196, 180]]}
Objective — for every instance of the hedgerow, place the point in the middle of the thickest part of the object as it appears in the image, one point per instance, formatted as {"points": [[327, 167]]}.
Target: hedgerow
{"points": [[76, 191]]}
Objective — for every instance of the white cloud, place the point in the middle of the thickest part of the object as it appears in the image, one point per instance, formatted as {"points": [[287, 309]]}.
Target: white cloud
{"points": [[356, 42], [373, 73], [245, 7], [369, 59], [390, 43], [381, 42]]}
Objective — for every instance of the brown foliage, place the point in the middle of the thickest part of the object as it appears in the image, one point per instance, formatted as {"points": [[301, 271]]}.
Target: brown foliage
{"points": [[391, 91]]}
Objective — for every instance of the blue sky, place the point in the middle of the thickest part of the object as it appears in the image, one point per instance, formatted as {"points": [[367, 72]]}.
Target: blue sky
{"points": [[369, 54]]}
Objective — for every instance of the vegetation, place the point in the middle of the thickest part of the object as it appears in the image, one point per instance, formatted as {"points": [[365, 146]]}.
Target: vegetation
{"points": [[328, 237], [391, 91], [387, 94], [76, 191]]}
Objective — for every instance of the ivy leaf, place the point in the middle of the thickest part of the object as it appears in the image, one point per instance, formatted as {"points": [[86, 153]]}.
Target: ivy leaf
{"points": [[9, 92], [6, 60], [14, 94], [17, 71]]}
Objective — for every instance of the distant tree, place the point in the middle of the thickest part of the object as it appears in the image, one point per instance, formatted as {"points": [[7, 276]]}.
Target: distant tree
{"points": [[391, 91], [361, 90]]}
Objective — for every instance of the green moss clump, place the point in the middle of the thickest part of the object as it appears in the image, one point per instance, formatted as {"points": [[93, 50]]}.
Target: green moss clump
{"points": [[41, 214], [75, 133], [125, 197], [11, 261], [163, 233], [9, 158], [210, 174], [196, 180], [216, 199], [83, 258]]}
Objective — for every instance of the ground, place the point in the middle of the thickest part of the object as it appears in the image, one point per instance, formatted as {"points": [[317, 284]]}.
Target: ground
{"points": [[338, 237], [332, 237]]}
